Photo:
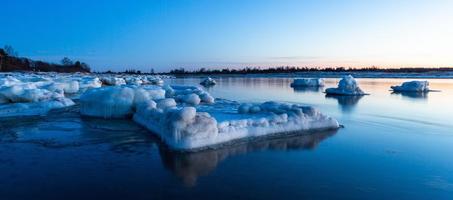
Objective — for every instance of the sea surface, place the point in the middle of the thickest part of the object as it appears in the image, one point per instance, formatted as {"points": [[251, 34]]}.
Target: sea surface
{"points": [[392, 146]]}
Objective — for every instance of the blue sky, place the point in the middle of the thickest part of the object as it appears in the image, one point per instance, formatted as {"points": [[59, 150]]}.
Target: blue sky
{"points": [[118, 35]]}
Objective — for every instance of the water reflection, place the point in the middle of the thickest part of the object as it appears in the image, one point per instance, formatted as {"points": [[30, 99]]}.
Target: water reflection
{"points": [[347, 103], [190, 166], [412, 95], [307, 89]]}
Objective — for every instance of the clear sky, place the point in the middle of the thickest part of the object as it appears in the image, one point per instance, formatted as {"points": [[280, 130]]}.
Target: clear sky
{"points": [[144, 34]]}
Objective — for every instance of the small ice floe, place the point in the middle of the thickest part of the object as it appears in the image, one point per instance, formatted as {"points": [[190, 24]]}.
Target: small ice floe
{"points": [[308, 82], [412, 86], [208, 82], [347, 86]]}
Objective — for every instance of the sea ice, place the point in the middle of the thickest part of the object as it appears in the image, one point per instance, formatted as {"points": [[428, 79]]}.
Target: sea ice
{"points": [[412, 86], [208, 82], [308, 82], [185, 128], [347, 86]]}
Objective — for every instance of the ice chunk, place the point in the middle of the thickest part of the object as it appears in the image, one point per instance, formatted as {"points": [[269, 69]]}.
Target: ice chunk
{"points": [[192, 99], [113, 81], [412, 86], [107, 102], [208, 82], [347, 86], [70, 87], [185, 128], [89, 82], [308, 82], [181, 93], [166, 103]]}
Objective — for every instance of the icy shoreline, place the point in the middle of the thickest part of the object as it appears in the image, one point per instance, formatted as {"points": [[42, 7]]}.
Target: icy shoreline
{"points": [[187, 118]]}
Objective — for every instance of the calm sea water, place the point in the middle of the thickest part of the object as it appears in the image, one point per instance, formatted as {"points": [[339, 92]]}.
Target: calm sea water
{"points": [[393, 146]]}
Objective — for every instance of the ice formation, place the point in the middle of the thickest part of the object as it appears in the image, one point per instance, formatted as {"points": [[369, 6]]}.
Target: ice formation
{"points": [[208, 82], [412, 86], [185, 117], [113, 81], [117, 101], [33, 95], [347, 86], [185, 128], [308, 82]]}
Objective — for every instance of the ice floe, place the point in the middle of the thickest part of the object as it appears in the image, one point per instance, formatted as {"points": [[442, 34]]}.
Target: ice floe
{"points": [[347, 86], [412, 86], [186, 128], [308, 82], [208, 82]]}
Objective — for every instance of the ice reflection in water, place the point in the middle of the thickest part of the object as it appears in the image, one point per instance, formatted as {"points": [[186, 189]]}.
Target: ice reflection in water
{"points": [[189, 166]]}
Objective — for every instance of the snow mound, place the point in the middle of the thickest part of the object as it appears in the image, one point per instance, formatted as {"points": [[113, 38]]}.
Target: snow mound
{"points": [[347, 86], [308, 82], [412, 86], [208, 82], [183, 128]]}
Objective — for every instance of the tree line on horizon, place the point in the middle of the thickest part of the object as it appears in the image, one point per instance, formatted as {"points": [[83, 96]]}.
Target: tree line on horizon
{"points": [[10, 61], [293, 69]]}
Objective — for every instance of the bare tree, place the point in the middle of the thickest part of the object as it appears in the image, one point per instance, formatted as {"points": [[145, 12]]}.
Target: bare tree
{"points": [[66, 61], [10, 51]]}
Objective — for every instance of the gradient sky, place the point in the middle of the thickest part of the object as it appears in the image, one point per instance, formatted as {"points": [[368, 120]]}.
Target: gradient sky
{"points": [[144, 34]]}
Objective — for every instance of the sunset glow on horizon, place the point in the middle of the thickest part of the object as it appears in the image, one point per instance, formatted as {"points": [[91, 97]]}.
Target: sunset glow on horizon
{"points": [[113, 35]]}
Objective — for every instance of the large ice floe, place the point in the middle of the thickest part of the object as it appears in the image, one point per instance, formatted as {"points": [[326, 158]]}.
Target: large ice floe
{"points": [[188, 118], [412, 86], [308, 82], [347, 86]]}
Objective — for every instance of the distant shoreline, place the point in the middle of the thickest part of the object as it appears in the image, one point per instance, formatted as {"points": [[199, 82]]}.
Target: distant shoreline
{"points": [[402, 75]]}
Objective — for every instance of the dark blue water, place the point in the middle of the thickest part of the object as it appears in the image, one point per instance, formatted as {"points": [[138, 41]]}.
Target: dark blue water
{"points": [[393, 146]]}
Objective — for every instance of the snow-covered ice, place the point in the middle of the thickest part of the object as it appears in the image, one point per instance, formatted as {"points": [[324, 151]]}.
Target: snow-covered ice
{"points": [[185, 117], [208, 82], [308, 82], [347, 86], [29, 95], [412, 86], [187, 128]]}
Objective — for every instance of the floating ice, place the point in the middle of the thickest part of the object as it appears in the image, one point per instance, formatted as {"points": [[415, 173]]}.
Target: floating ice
{"points": [[308, 82], [208, 82], [347, 86], [412, 86], [184, 128]]}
